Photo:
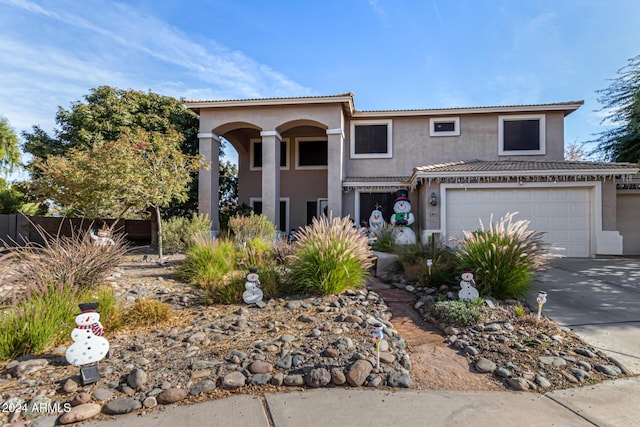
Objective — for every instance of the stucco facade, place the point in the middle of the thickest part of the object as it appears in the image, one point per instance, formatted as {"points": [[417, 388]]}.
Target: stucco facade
{"points": [[319, 154]]}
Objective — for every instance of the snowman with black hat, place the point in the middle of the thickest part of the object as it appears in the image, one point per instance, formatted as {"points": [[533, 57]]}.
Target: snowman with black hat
{"points": [[89, 346], [402, 219]]}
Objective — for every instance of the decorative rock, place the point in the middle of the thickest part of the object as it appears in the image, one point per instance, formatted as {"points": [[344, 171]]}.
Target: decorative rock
{"points": [[260, 379], [358, 372], [27, 367], [233, 380], [331, 352], [585, 352], [171, 395], [102, 394], [384, 345], [572, 379], [542, 381], [580, 374], [80, 399], [287, 338], [285, 363], [49, 421], [70, 386], [337, 376], [294, 380], [318, 377], [399, 379], [34, 408], [470, 350], [502, 372], [201, 387], [80, 413], [137, 378], [277, 379], [305, 318], [261, 304], [485, 365], [121, 406], [260, 367], [584, 365], [197, 337], [609, 370], [387, 357], [552, 360], [292, 305], [150, 402], [405, 361], [519, 384], [625, 370]]}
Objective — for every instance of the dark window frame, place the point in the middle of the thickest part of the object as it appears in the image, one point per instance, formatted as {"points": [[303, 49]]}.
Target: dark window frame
{"points": [[355, 142], [522, 135]]}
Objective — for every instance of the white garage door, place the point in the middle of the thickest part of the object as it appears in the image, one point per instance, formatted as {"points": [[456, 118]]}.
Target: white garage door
{"points": [[562, 213], [628, 206]]}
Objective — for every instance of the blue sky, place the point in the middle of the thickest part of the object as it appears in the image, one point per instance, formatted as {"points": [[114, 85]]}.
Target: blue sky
{"points": [[393, 54]]}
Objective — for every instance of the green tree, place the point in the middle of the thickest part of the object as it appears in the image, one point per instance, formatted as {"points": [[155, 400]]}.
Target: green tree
{"points": [[9, 148], [621, 101], [141, 169], [102, 117]]}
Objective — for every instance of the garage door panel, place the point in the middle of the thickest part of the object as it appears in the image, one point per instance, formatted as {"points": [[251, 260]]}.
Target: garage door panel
{"points": [[563, 214]]}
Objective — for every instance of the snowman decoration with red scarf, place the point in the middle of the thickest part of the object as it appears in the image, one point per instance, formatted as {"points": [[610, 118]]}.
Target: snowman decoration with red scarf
{"points": [[89, 345], [402, 219]]}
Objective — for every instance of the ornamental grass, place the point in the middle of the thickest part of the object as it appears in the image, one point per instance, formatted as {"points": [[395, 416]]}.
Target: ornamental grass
{"points": [[330, 256], [503, 257]]}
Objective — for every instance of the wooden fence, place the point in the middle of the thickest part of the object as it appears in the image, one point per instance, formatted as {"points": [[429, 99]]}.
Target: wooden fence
{"points": [[17, 228]]}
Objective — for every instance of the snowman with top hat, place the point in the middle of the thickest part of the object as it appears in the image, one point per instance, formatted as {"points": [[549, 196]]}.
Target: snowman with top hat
{"points": [[468, 291], [89, 345], [252, 293], [402, 219]]}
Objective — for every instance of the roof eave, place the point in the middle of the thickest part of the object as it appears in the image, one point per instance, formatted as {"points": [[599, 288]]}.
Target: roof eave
{"points": [[521, 173], [346, 100]]}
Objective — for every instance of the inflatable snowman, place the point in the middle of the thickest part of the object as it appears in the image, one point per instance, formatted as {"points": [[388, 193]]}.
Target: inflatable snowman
{"points": [[468, 291], [402, 219], [376, 221], [89, 345], [252, 293]]}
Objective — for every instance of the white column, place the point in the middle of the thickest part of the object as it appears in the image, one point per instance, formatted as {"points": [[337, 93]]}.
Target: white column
{"points": [[271, 176], [335, 147], [208, 180]]}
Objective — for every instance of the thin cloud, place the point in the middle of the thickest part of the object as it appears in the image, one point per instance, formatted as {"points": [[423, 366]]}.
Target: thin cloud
{"points": [[380, 12], [81, 45]]}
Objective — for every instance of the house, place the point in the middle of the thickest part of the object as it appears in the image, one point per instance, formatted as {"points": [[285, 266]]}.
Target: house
{"points": [[304, 156]]}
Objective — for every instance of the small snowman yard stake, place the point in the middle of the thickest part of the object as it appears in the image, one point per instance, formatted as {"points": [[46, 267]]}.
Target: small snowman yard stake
{"points": [[402, 219], [377, 335], [89, 346], [541, 299], [252, 293], [468, 291]]}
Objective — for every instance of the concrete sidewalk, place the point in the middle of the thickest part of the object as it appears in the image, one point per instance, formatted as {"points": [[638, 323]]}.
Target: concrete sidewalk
{"points": [[612, 403]]}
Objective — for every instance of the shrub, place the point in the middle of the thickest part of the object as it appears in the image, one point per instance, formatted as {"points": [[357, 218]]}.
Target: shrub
{"points": [[457, 312], [37, 321], [384, 239], [331, 256], [519, 310], [262, 256], [208, 260], [72, 261], [504, 257], [226, 291], [413, 259], [148, 312], [246, 228], [178, 232]]}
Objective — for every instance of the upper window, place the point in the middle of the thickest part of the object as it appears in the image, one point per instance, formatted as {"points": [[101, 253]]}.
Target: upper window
{"points": [[371, 139], [521, 135], [311, 153], [444, 126], [256, 154]]}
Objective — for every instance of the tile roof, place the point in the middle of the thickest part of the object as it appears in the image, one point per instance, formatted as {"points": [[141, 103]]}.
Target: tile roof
{"points": [[472, 166], [279, 98], [555, 105]]}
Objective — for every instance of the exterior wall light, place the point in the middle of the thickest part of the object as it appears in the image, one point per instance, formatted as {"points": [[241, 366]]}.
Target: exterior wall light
{"points": [[434, 199]]}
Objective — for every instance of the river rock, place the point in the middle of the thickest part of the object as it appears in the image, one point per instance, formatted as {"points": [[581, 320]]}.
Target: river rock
{"points": [[80, 413], [171, 395], [233, 380], [121, 406], [260, 367], [318, 377], [201, 387], [137, 378], [484, 365], [27, 367], [358, 372]]}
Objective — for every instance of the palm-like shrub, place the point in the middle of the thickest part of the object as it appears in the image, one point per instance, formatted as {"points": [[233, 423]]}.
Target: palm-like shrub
{"points": [[504, 257], [331, 256]]}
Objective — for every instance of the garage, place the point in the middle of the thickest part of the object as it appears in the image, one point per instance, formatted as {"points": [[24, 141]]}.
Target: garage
{"points": [[628, 206], [563, 213]]}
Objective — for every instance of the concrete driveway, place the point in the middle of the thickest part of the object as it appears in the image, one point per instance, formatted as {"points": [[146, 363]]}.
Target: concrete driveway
{"points": [[599, 300]]}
